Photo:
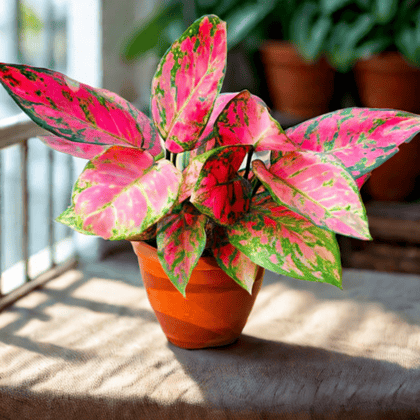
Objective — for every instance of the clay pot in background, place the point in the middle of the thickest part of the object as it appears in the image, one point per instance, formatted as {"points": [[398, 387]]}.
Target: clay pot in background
{"points": [[296, 87], [388, 81]]}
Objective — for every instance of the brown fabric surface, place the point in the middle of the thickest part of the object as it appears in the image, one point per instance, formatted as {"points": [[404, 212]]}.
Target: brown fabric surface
{"points": [[88, 346]]}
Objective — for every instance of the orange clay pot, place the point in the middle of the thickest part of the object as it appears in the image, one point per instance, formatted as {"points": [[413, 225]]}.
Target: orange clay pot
{"points": [[214, 311]]}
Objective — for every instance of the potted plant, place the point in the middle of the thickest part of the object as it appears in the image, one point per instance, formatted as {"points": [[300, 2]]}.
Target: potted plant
{"points": [[300, 80], [380, 41], [173, 185]]}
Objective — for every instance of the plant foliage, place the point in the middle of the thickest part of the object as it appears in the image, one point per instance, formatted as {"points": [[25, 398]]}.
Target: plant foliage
{"points": [[189, 178]]}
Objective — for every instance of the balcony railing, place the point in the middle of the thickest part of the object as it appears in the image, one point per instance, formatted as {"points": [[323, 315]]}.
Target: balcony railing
{"points": [[18, 131]]}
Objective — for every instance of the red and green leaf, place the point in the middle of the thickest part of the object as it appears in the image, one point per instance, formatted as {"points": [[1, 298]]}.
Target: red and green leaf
{"points": [[316, 186], [234, 262], [220, 192], [181, 239], [361, 138], [246, 121], [123, 192], [76, 111], [282, 241], [81, 150], [187, 81]]}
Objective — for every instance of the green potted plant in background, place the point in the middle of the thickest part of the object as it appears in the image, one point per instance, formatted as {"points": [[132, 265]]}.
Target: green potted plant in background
{"points": [[300, 80], [380, 41], [185, 188]]}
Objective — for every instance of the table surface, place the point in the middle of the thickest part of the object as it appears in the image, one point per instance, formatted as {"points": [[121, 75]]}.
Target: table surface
{"points": [[87, 346]]}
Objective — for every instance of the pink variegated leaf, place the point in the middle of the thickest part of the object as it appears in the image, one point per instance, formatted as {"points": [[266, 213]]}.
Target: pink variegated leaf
{"points": [[187, 81], [220, 192], [282, 241], [246, 121], [208, 139], [360, 138], [148, 234], [181, 239], [123, 192], [362, 179], [78, 112], [81, 150], [233, 262], [317, 187], [190, 176]]}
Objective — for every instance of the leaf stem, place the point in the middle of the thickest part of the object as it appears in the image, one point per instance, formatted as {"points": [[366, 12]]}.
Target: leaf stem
{"points": [[248, 164], [174, 158], [256, 187]]}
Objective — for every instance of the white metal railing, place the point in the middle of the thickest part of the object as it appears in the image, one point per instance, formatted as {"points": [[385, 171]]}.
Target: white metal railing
{"points": [[18, 130]]}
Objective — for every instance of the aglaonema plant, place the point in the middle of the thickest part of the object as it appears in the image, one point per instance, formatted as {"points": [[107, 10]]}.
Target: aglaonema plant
{"points": [[190, 178]]}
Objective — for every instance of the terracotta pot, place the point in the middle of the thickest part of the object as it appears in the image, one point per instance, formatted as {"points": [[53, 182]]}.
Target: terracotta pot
{"points": [[296, 87], [214, 311], [388, 81]]}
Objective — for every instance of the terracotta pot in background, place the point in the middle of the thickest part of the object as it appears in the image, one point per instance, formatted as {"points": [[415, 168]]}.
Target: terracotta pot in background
{"points": [[296, 87], [214, 311], [388, 81]]}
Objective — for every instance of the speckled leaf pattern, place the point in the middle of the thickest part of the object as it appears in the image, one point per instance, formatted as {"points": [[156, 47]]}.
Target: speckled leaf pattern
{"points": [[220, 192], [234, 262], [246, 121], [361, 138], [285, 242], [317, 187], [181, 239], [187, 81], [76, 111], [122, 192], [190, 176], [81, 150]]}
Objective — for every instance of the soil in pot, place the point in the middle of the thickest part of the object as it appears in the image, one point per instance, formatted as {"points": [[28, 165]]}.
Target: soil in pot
{"points": [[297, 87], [389, 81], [214, 311]]}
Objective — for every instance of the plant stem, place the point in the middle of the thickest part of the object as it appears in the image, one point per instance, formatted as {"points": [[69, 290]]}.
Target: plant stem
{"points": [[257, 185], [174, 158], [248, 164]]}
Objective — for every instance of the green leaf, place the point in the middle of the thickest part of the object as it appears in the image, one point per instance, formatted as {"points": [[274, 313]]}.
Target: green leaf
{"points": [[285, 242]]}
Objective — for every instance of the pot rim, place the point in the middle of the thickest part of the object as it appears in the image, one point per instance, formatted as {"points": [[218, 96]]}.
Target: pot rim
{"points": [[150, 252]]}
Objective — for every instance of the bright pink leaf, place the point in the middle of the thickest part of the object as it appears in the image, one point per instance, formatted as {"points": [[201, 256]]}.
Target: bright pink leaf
{"points": [[234, 262], [81, 150], [246, 121], [190, 176], [282, 241], [76, 111], [122, 192], [220, 192], [181, 239], [187, 81], [317, 187], [361, 138]]}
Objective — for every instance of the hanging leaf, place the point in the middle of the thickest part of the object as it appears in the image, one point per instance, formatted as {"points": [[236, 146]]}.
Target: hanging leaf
{"points": [[246, 121], [181, 239], [220, 192], [233, 262], [361, 138], [317, 187], [81, 150], [282, 241], [187, 82], [76, 111], [122, 192]]}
